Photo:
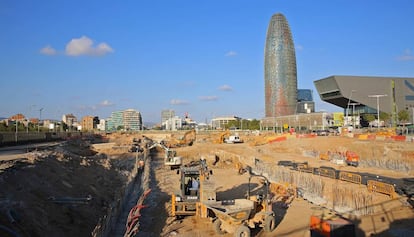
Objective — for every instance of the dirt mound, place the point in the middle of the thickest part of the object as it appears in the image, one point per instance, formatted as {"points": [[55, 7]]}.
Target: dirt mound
{"points": [[59, 193]]}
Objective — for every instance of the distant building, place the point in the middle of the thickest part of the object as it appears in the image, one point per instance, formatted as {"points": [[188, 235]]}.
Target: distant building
{"points": [[175, 123], [18, 117], [166, 115], [88, 123], [359, 95], [221, 122], [70, 120], [130, 120], [280, 69], [305, 103], [102, 125]]}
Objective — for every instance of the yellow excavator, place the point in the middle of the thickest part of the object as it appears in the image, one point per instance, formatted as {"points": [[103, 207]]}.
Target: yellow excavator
{"points": [[195, 190]]}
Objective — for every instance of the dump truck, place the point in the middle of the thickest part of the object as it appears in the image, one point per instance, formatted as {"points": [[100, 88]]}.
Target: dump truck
{"points": [[237, 216], [196, 189]]}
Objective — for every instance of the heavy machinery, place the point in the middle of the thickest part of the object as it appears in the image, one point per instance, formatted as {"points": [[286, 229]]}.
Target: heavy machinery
{"points": [[188, 139], [190, 200], [351, 158], [331, 226], [233, 139], [239, 215], [170, 158], [222, 136], [227, 138]]}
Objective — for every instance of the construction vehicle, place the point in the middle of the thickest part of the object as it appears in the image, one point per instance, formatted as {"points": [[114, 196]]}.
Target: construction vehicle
{"points": [[239, 215], [187, 139], [190, 200], [222, 136], [233, 139], [351, 158], [225, 137], [331, 225], [170, 158]]}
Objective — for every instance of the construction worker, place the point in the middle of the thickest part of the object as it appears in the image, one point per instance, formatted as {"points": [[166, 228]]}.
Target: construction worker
{"points": [[194, 186]]}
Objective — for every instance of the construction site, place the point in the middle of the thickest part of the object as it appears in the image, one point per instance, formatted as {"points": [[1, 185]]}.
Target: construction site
{"points": [[210, 183]]}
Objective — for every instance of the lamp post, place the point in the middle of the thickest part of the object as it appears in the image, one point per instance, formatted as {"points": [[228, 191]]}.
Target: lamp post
{"points": [[377, 96], [353, 114], [40, 118], [347, 107]]}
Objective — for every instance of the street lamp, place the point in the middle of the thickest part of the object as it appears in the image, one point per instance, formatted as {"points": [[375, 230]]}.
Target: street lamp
{"points": [[377, 96], [40, 118], [347, 106], [353, 114]]}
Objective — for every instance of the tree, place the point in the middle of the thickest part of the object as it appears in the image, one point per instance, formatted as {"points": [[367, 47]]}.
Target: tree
{"points": [[385, 117], [369, 118], [403, 116], [3, 127]]}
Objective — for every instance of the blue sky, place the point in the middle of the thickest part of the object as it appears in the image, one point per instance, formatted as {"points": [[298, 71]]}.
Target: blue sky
{"points": [[201, 57]]}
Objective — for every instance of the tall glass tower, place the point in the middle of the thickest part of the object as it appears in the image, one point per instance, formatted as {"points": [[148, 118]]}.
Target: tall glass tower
{"points": [[280, 69]]}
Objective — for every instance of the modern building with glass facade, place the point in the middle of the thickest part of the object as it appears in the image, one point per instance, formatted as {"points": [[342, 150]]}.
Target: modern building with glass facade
{"points": [[280, 69], [305, 103], [359, 95], [129, 120]]}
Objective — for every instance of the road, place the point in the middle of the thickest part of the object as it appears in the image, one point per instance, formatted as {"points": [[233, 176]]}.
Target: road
{"points": [[16, 152]]}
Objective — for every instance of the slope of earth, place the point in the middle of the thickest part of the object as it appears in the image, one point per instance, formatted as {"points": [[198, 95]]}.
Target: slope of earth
{"points": [[59, 192]]}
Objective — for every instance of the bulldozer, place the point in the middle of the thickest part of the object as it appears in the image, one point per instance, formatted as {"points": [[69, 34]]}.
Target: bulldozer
{"points": [[195, 190]]}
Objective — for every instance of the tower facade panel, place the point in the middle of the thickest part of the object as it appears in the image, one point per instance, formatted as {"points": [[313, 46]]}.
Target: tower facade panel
{"points": [[280, 69]]}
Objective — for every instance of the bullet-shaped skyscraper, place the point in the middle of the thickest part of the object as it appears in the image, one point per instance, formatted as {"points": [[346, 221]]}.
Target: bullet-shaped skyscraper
{"points": [[280, 69]]}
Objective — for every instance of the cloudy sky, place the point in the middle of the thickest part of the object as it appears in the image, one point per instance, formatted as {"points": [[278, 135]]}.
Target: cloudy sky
{"points": [[201, 57]]}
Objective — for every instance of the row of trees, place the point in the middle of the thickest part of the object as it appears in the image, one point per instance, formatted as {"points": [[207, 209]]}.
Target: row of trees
{"points": [[403, 117], [244, 124], [31, 127]]}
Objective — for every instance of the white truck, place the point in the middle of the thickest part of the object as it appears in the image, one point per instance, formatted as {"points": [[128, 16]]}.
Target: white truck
{"points": [[233, 139]]}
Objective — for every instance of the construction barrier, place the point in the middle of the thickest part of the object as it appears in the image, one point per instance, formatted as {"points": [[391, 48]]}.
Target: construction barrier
{"points": [[399, 138], [380, 187], [327, 173], [306, 169], [277, 139], [363, 137], [350, 177]]}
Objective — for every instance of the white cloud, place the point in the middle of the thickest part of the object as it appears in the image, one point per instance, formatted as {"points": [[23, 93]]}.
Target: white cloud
{"points": [[231, 54], [178, 102], [208, 98], [225, 88], [299, 47], [106, 103], [48, 50], [407, 56], [84, 46]]}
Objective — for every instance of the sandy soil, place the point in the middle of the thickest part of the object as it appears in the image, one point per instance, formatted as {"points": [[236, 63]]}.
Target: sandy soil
{"points": [[38, 188]]}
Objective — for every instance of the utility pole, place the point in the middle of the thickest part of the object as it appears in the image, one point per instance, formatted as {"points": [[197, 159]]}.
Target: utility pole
{"points": [[40, 118], [353, 114], [378, 111], [347, 107]]}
